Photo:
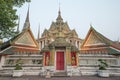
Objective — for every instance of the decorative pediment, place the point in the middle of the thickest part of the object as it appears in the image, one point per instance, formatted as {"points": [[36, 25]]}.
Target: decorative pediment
{"points": [[66, 27], [45, 33], [52, 27], [25, 39], [93, 39], [74, 33]]}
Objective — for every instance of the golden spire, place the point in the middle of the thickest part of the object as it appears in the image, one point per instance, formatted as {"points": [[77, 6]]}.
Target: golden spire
{"points": [[39, 32], [27, 23], [59, 18]]}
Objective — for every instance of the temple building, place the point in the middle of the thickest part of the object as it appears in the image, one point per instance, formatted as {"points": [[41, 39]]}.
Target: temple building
{"points": [[59, 50], [60, 46], [23, 47]]}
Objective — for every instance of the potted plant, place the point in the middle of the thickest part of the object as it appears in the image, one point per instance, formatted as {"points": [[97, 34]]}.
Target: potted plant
{"points": [[17, 72], [103, 72]]}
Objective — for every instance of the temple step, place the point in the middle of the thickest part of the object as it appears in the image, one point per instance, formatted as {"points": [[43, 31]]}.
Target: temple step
{"points": [[5, 72], [60, 74]]}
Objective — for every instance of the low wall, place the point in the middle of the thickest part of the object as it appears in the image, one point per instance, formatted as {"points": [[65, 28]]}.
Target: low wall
{"points": [[31, 72], [71, 71]]}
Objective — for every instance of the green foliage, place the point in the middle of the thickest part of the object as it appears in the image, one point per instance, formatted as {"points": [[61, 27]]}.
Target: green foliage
{"points": [[18, 64], [8, 17], [18, 67], [102, 64]]}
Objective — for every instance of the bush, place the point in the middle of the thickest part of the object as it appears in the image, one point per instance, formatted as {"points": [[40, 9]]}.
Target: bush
{"points": [[18, 67], [102, 64], [18, 64]]}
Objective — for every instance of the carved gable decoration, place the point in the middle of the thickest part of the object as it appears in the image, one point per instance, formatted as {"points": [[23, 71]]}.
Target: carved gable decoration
{"points": [[52, 27], [26, 39], [45, 33], [66, 27], [93, 39], [74, 33]]}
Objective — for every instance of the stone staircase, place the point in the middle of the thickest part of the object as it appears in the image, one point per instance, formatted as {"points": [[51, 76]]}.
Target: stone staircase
{"points": [[5, 72], [60, 74]]}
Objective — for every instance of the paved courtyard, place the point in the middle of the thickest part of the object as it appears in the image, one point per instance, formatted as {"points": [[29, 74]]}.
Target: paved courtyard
{"points": [[60, 78]]}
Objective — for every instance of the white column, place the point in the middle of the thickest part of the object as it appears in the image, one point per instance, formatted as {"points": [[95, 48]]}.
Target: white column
{"points": [[118, 60], [2, 62], [43, 44]]}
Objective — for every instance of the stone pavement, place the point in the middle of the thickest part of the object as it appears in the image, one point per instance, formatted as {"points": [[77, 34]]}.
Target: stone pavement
{"points": [[60, 78]]}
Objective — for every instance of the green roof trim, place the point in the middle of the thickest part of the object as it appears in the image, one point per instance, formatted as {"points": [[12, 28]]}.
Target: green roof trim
{"points": [[45, 49], [8, 51], [8, 43], [60, 41], [113, 51]]}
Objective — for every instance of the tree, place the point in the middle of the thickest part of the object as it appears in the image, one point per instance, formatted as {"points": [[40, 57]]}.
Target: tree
{"points": [[8, 17]]}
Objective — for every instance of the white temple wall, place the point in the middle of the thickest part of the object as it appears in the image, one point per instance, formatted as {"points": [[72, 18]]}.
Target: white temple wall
{"points": [[92, 59], [118, 61], [89, 63]]}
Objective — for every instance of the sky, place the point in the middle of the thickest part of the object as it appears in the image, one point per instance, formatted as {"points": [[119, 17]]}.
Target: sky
{"points": [[103, 15]]}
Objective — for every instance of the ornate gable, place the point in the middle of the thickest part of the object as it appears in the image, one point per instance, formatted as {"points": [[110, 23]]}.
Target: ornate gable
{"points": [[93, 39], [66, 27], [26, 39], [45, 33], [74, 33], [52, 27]]}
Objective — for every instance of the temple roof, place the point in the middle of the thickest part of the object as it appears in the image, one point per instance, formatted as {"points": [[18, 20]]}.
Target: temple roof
{"points": [[96, 41], [27, 22], [59, 18], [23, 42], [59, 27], [99, 36], [60, 42]]}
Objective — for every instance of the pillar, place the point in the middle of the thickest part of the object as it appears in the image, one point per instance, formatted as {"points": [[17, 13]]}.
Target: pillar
{"points": [[118, 60], [68, 57], [2, 61], [52, 56], [77, 58]]}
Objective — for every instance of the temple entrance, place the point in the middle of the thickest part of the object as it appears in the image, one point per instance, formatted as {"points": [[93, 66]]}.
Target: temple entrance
{"points": [[60, 60]]}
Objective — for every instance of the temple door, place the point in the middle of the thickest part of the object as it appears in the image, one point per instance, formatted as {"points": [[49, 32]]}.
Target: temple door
{"points": [[60, 60]]}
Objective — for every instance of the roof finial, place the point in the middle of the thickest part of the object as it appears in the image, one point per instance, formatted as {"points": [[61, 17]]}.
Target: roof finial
{"points": [[59, 9], [27, 23], [118, 40], [39, 32], [59, 18], [91, 25], [18, 23], [27, 18]]}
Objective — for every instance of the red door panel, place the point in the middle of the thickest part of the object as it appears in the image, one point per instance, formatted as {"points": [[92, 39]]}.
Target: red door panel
{"points": [[60, 61]]}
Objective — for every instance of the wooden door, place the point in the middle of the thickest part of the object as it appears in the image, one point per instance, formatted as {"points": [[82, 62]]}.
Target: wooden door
{"points": [[60, 60]]}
